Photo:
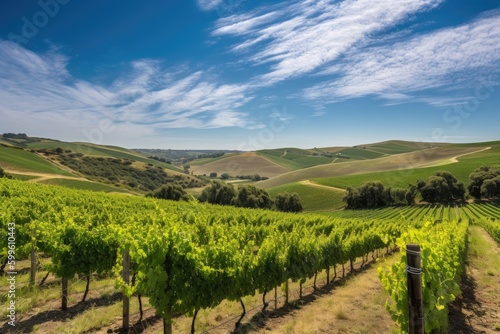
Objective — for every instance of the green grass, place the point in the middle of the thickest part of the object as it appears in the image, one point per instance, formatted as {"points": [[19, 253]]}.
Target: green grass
{"points": [[292, 165], [312, 198], [26, 161], [397, 146], [466, 165], [78, 184], [293, 158], [23, 177], [360, 154], [203, 161]]}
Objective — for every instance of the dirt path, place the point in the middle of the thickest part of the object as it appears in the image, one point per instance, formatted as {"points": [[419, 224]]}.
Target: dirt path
{"points": [[455, 159], [45, 176], [478, 311], [312, 184], [355, 307]]}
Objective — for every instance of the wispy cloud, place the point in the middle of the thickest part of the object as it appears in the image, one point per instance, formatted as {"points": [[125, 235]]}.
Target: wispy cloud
{"points": [[209, 4], [449, 59], [306, 35], [39, 87]]}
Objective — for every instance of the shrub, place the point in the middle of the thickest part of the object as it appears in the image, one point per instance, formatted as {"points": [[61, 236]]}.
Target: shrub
{"points": [[170, 192], [287, 202]]}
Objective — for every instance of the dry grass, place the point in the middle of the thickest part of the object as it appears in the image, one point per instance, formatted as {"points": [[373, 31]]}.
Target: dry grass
{"points": [[356, 307], [242, 164]]}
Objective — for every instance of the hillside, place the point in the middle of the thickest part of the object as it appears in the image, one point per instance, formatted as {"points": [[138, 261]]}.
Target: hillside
{"points": [[320, 186], [403, 161], [87, 166], [241, 164]]}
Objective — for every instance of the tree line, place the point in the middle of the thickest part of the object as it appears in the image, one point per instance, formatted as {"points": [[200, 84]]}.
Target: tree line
{"points": [[246, 196], [441, 187]]}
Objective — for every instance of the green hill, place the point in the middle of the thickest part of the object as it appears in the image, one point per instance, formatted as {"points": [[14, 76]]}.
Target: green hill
{"points": [[401, 178], [87, 166]]}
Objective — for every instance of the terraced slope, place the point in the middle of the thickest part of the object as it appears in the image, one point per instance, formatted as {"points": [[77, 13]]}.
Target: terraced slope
{"points": [[403, 161], [243, 164]]}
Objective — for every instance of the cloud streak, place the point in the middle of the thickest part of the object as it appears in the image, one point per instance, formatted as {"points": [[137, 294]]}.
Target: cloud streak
{"points": [[209, 4], [306, 35], [449, 59], [39, 87]]}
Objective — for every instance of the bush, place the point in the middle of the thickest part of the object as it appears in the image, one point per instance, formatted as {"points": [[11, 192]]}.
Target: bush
{"points": [[218, 193], [287, 202], [442, 187], [484, 182], [2, 173], [171, 192], [251, 197]]}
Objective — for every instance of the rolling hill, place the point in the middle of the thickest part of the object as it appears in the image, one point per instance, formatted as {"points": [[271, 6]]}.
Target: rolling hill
{"points": [[403, 161], [87, 166], [248, 163], [320, 186]]}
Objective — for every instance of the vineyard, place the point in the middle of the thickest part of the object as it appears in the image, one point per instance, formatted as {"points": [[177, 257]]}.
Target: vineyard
{"points": [[181, 258]]}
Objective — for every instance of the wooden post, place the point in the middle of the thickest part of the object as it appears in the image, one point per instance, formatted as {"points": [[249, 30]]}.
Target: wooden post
{"points": [[415, 300], [64, 302], [275, 297], [126, 300], [286, 292], [33, 265]]}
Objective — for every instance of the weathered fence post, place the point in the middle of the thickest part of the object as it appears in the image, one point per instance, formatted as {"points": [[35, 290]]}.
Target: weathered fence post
{"points": [[415, 300], [286, 292], [126, 300], [275, 297], [64, 302], [33, 265]]}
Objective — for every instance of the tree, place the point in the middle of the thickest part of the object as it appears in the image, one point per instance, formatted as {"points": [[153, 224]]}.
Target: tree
{"points": [[256, 177], [171, 192], [251, 197], [218, 193], [370, 195], [442, 187], [213, 175], [477, 180], [225, 176], [398, 196], [287, 202], [491, 188], [410, 195], [2, 173]]}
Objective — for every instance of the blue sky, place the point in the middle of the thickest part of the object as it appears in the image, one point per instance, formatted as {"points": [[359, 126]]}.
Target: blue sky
{"points": [[241, 74]]}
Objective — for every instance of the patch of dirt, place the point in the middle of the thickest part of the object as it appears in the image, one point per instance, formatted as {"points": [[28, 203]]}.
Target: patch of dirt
{"points": [[455, 159], [312, 184]]}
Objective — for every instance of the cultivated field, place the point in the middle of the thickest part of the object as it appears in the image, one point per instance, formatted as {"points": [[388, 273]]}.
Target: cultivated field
{"points": [[398, 162], [241, 164]]}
